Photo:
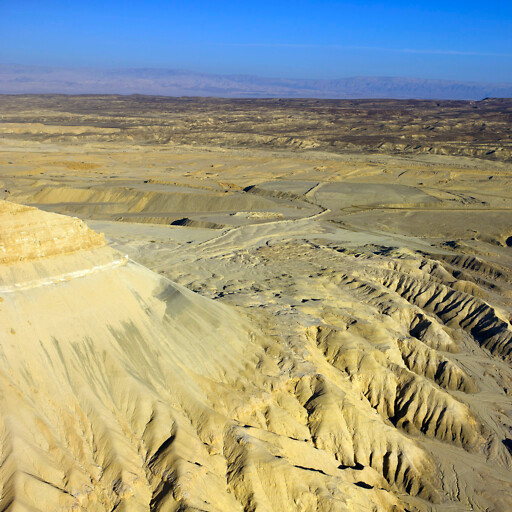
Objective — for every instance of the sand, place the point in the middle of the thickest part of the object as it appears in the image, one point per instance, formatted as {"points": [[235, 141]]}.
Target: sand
{"points": [[218, 328]]}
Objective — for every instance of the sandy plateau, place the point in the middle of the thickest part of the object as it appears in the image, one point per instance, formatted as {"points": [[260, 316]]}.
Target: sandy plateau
{"points": [[202, 309]]}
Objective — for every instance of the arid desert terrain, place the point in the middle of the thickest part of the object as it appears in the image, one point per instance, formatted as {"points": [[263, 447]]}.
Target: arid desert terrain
{"points": [[255, 305]]}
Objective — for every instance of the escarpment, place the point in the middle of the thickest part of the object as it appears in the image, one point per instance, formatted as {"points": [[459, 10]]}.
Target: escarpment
{"points": [[29, 234]]}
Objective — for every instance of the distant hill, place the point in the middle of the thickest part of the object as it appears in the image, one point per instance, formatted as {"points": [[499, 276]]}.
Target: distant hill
{"points": [[37, 80]]}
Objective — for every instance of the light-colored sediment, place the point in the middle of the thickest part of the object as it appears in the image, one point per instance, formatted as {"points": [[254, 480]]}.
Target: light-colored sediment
{"points": [[315, 333]]}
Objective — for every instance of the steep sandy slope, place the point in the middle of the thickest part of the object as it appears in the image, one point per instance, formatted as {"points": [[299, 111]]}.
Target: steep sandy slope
{"points": [[363, 381], [123, 391]]}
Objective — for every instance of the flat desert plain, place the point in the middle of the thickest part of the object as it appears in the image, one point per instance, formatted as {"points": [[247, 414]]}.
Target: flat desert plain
{"points": [[255, 305]]}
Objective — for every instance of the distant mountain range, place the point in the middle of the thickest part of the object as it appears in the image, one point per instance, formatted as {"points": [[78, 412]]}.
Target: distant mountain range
{"points": [[37, 80]]}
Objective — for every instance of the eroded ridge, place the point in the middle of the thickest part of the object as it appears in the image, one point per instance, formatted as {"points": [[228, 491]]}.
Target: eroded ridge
{"points": [[422, 371], [355, 380]]}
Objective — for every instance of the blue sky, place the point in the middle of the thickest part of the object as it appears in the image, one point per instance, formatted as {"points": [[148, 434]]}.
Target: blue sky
{"points": [[296, 39]]}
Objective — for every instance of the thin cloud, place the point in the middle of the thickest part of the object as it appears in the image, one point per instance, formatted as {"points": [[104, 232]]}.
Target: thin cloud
{"points": [[373, 49], [455, 52]]}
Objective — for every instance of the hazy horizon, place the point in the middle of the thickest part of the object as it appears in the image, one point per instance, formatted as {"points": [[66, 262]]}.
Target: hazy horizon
{"points": [[19, 79], [115, 69]]}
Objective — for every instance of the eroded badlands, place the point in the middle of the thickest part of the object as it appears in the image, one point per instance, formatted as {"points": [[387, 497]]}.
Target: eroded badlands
{"points": [[217, 329]]}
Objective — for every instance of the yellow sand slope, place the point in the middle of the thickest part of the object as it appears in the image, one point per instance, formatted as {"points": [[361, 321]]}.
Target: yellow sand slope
{"points": [[121, 390]]}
